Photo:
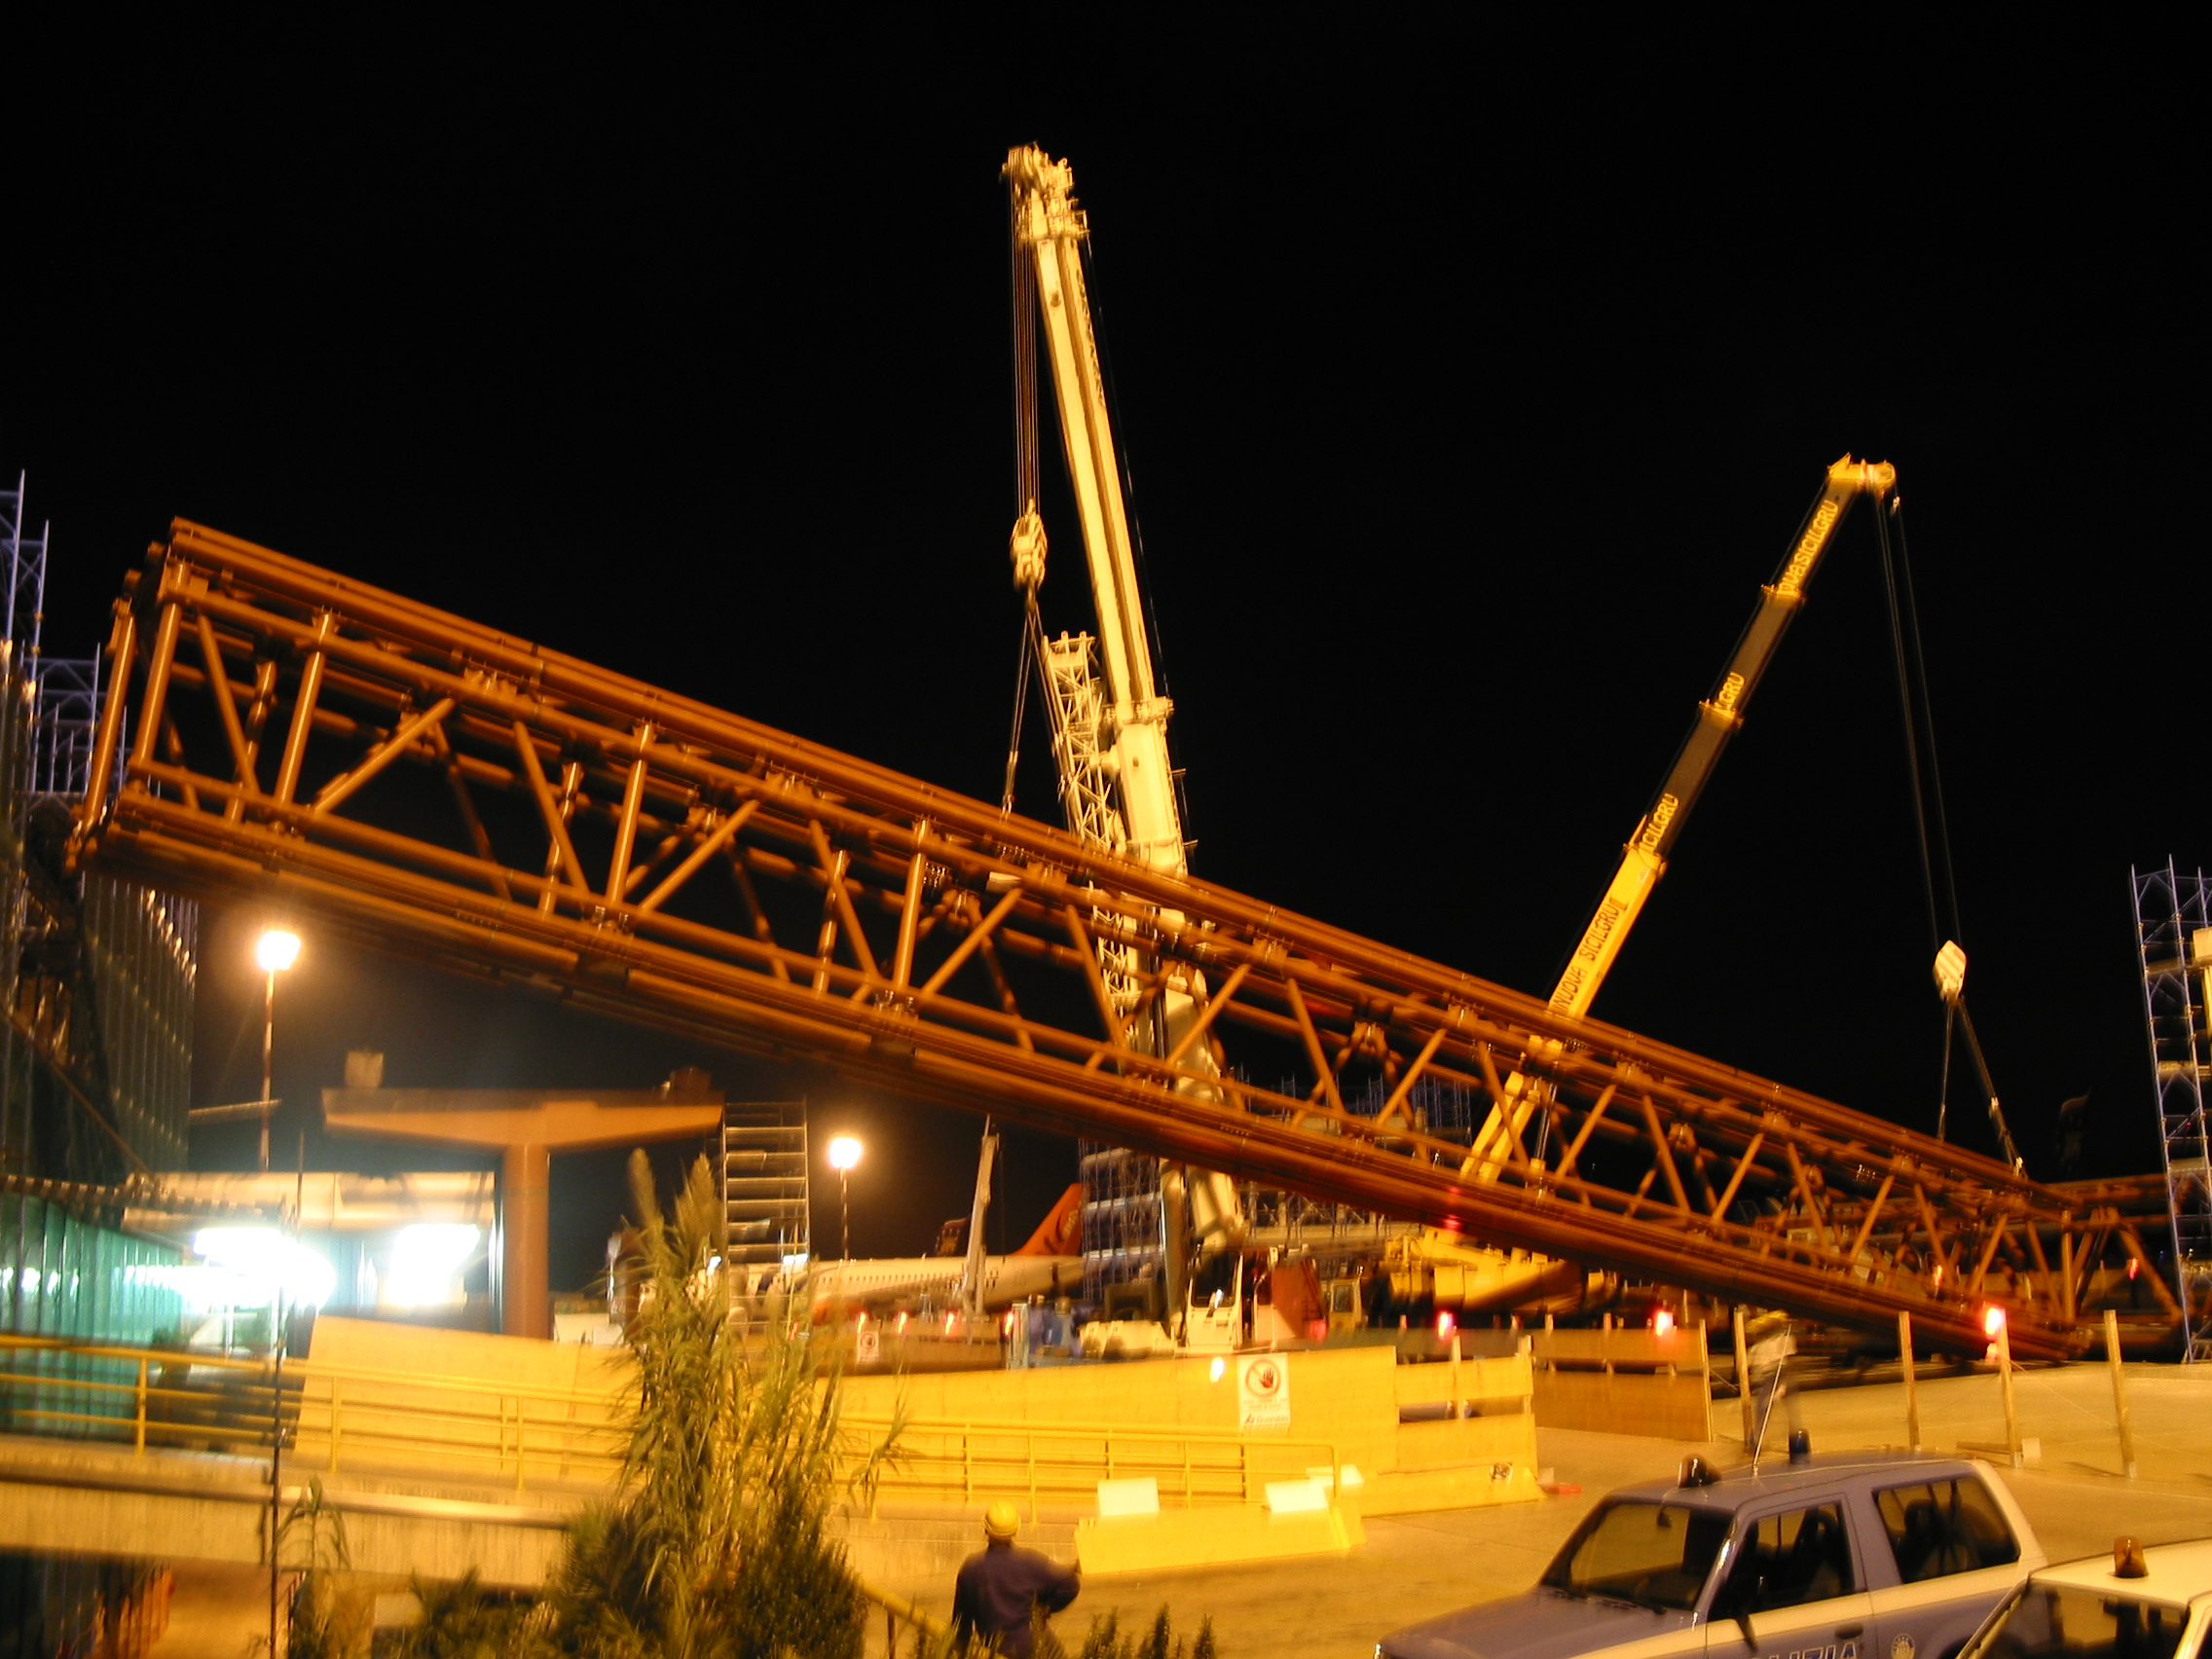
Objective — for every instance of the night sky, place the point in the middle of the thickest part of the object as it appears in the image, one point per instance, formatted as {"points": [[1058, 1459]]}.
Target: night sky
{"points": [[1461, 440]]}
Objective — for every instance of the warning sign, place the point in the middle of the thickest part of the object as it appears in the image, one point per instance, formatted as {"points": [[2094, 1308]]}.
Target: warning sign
{"points": [[1263, 1391]]}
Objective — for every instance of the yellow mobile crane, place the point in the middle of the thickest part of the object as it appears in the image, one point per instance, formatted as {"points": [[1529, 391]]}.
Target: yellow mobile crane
{"points": [[1644, 860], [1435, 1266], [1110, 742]]}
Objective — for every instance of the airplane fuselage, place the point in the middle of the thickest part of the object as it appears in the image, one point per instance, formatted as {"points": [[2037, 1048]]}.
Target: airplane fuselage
{"points": [[1006, 1280]]}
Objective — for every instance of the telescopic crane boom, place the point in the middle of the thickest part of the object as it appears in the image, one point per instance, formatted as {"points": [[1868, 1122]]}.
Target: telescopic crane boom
{"points": [[1134, 718], [1644, 860], [1109, 722]]}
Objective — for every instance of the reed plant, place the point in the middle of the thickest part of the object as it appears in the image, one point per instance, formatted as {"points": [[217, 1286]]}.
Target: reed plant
{"points": [[716, 1544]]}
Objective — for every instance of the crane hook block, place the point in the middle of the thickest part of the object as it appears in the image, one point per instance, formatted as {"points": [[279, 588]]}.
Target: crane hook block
{"points": [[1027, 546]]}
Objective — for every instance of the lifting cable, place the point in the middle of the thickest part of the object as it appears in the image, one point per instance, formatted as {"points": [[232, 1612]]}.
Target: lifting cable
{"points": [[1915, 708], [1918, 717], [1022, 273]]}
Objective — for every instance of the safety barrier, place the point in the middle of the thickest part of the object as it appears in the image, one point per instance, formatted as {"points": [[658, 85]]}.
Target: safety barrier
{"points": [[942, 1459]]}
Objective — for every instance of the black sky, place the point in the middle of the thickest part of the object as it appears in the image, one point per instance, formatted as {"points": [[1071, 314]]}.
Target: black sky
{"points": [[1465, 417]]}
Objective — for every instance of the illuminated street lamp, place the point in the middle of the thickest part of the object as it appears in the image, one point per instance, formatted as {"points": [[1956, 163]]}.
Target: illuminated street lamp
{"points": [[844, 1153], [273, 951]]}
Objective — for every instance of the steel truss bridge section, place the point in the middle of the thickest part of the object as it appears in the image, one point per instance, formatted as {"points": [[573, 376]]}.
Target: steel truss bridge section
{"points": [[435, 788]]}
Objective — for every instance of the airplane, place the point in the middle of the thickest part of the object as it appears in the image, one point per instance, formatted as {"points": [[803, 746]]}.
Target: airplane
{"points": [[1049, 1264]]}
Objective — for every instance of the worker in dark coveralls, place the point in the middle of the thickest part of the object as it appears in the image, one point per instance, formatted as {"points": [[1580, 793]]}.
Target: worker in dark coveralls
{"points": [[998, 1584]]}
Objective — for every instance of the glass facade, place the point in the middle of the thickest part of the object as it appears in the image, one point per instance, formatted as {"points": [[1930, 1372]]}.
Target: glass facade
{"points": [[64, 1277], [95, 1062]]}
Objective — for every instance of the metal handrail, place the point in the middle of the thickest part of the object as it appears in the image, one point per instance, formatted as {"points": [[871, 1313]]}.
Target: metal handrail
{"points": [[898, 1610], [504, 1430], [494, 1423], [305, 1367]]}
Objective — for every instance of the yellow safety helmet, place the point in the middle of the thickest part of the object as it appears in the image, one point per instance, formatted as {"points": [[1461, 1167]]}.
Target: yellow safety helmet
{"points": [[1000, 1520]]}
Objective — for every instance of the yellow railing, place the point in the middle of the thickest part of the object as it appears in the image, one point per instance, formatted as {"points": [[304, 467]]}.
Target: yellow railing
{"points": [[899, 1610], [332, 1414], [945, 1458], [340, 1415]]}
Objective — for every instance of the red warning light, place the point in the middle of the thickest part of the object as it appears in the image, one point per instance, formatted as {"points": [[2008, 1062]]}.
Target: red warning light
{"points": [[1992, 1321], [2134, 1266], [1663, 1324], [1444, 1326]]}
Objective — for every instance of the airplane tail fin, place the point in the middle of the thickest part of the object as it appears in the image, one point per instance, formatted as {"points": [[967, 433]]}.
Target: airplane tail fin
{"points": [[1061, 1232]]}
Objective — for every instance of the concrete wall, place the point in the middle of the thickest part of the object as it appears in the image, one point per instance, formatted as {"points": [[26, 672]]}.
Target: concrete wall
{"points": [[1349, 1397], [421, 1350], [95, 1498], [1342, 1396], [554, 1415]]}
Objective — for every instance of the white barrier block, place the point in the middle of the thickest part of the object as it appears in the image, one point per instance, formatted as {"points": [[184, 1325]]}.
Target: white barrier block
{"points": [[1289, 1497], [1325, 1474], [1139, 1496]]}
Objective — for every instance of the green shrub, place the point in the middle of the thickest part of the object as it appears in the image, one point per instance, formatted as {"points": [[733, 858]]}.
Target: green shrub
{"points": [[459, 1622], [1106, 1641]]}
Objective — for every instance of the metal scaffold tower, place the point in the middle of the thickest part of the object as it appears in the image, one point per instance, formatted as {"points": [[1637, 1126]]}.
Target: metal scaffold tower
{"points": [[2173, 929], [95, 973], [23, 564], [25, 571], [764, 1186], [67, 706]]}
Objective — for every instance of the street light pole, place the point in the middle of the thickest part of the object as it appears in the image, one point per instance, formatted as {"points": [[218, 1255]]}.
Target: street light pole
{"points": [[274, 951], [268, 1054], [844, 1153]]}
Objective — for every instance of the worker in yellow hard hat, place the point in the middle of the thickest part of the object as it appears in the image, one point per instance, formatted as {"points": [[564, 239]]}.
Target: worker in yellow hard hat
{"points": [[999, 1585]]}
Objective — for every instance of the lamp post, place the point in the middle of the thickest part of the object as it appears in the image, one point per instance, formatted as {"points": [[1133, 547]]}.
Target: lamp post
{"points": [[273, 951], [844, 1153]]}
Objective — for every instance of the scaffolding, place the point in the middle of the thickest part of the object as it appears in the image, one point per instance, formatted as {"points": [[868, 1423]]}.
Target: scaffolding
{"points": [[2173, 930], [1122, 1224], [68, 713], [96, 975], [25, 577], [766, 1196]]}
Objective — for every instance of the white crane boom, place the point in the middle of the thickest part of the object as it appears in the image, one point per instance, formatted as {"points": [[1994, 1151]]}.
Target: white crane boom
{"points": [[1048, 221], [1110, 740]]}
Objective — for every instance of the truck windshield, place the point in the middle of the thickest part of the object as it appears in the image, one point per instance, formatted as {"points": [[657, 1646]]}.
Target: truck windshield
{"points": [[1652, 1554], [2051, 1621]]}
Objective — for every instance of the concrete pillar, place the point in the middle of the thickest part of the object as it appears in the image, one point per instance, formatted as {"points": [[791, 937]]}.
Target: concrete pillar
{"points": [[526, 1220], [525, 1127]]}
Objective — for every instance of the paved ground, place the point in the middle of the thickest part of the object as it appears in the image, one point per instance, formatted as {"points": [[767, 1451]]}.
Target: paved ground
{"points": [[216, 1612], [1417, 1565]]}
